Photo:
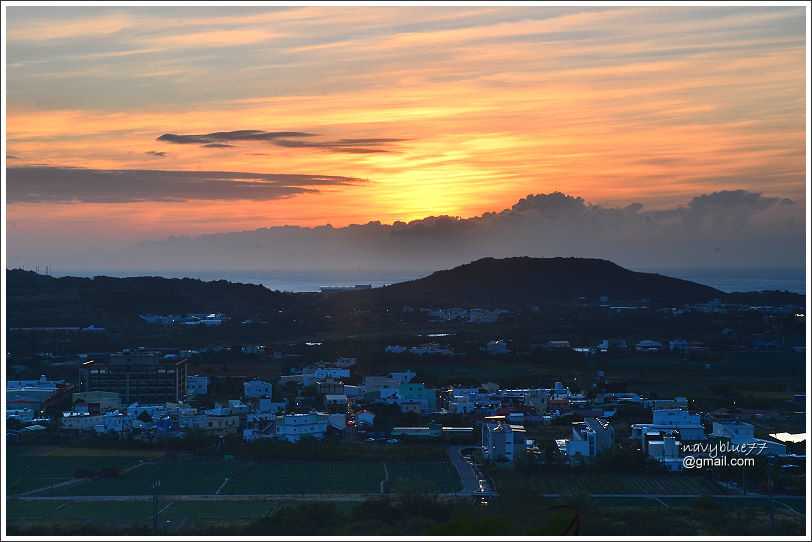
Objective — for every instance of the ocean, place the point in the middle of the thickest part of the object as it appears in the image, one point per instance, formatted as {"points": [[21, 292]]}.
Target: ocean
{"points": [[740, 279], [733, 279]]}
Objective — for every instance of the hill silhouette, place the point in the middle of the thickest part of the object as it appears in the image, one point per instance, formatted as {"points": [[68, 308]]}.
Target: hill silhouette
{"points": [[34, 299], [525, 280], [41, 300]]}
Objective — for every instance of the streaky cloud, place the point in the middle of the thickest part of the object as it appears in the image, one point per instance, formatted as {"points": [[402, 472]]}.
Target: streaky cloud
{"points": [[217, 140], [43, 184], [235, 135]]}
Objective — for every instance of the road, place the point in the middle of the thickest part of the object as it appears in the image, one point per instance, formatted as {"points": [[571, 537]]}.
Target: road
{"points": [[466, 472], [208, 497]]}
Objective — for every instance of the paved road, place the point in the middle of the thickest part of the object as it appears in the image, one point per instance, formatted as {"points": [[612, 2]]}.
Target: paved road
{"points": [[682, 496], [466, 472], [208, 497]]}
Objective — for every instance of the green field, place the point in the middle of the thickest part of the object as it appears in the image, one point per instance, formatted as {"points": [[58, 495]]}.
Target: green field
{"points": [[103, 510], [799, 505], [631, 502], [218, 509], [181, 478], [307, 477], [25, 471], [437, 477], [232, 477], [29, 510], [733, 364], [78, 510], [597, 484]]}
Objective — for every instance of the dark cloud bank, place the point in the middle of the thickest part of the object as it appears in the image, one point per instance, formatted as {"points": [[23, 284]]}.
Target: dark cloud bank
{"points": [[728, 228], [63, 185], [224, 140]]}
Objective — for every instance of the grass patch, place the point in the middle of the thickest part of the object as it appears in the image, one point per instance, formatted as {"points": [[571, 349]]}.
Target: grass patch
{"points": [[181, 478], [619, 484], [25, 472], [436, 477], [307, 477]]}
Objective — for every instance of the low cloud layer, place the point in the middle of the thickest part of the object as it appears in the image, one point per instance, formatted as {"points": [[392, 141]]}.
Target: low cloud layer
{"points": [[221, 140], [64, 185], [725, 228]]}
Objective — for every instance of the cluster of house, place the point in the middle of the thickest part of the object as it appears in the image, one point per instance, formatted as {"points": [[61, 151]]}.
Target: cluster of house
{"points": [[474, 316], [420, 350], [192, 319], [149, 390], [717, 306], [26, 400], [672, 434], [501, 346], [102, 412]]}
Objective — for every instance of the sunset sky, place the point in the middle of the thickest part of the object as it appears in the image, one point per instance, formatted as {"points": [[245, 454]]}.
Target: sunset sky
{"points": [[308, 115]]}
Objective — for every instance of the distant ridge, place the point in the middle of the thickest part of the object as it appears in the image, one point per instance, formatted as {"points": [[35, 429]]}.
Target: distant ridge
{"points": [[34, 299], [40, 300], [523, 280]]}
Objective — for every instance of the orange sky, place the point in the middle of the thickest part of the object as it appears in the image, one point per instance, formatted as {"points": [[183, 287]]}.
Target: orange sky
{"points": [[646, 104]]}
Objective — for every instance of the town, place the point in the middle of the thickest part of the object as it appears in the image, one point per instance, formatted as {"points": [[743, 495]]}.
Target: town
{"points": [[617, 404], [147, 394]]}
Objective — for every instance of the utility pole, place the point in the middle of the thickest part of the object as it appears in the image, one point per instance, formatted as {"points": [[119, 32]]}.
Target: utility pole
{"points": [[155, 485], [770, 463]]}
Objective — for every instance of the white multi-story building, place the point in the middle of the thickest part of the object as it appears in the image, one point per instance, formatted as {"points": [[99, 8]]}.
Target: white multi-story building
{"points": [[669, 421], [79, 421], [589, 438], [264, 407], [375, 383], [153, 411], [190, 420], [197, 385], [117, 421], [21, 414], [219, 410], [257, 388], [344, 362], [323, 373], [292, 427], [364, 417], [741, 435], [675, 403], [502, 441], [666, 451], [403, 376], [461, 404], [352, 391]]}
